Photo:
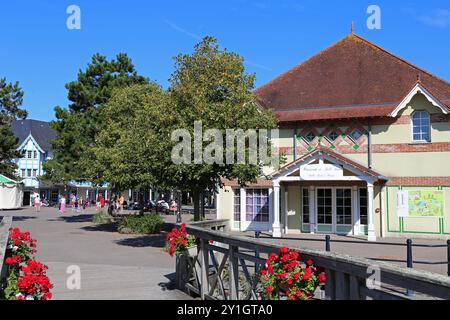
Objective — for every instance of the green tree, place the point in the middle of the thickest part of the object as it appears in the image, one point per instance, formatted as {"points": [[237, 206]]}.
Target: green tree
{"points": [[211, 86], [78, 125], [11, 98], [133, 149]]}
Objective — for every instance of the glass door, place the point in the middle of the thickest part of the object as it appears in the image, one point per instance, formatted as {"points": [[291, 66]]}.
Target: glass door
{"points": [[324, 210], [344, 211]]}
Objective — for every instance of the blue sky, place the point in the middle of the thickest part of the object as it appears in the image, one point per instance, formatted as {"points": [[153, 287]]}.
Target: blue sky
{"points": [[40, 52]]}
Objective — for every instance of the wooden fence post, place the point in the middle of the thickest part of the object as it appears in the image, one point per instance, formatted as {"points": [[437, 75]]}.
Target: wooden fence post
{"points": [[204, 286], [234, 273]]}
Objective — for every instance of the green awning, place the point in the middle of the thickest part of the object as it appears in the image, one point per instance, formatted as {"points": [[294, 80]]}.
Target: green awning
{"points": [[6, 180]]}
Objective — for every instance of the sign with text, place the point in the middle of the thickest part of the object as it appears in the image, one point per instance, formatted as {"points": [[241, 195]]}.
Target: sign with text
{"points": [[321, 172]]}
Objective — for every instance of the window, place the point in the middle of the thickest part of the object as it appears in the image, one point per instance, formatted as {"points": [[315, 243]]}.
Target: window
{"points": [[34, 172], [421, 126], [305, 205], [363, 206], [310, 137], [356, 134], [333, 135], [344, 206], [29, 153], [237, 205], [257, 205], [324, 206], [28, 172], [23, 173], [35, 154]]}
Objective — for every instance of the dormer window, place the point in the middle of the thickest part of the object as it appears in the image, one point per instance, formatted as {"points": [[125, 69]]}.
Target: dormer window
{"points": [[421, 126], [29, 154]]}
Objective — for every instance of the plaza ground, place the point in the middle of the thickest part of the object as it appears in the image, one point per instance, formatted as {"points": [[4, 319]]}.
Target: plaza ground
{"points": [[113, 265]]}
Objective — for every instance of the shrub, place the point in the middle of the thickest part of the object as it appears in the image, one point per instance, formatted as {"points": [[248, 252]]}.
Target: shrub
{"points": [[146, 224], [102, 217]]}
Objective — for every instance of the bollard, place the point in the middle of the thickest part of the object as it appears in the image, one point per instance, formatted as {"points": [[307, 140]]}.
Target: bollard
{"points": [[409, 257], [179, 220], [409, 262], [327, 243], [448, 257]]}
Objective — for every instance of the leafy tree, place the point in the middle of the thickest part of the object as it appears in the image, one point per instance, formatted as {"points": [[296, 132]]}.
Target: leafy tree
{"points": [[11, 98], [133, 149], [211, 86], [78, 125]]}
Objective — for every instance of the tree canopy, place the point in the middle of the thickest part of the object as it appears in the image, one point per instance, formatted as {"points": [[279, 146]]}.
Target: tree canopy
{"points": [[78, 125], [211, 85], [119, 127]]}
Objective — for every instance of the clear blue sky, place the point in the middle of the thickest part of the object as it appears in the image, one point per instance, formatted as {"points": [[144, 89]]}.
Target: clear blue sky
{"points": [[40, 52]]}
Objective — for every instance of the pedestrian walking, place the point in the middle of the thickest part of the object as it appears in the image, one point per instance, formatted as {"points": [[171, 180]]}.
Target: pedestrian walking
{"points": [[121, 202], [62, 205], [174, 207], [37, 203]]}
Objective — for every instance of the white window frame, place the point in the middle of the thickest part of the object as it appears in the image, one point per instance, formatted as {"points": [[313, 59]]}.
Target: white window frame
{"points": [[412, 127]]}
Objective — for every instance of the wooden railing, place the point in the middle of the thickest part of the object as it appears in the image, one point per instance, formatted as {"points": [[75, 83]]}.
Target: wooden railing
{"points": [[226, 267], [5, 224]]}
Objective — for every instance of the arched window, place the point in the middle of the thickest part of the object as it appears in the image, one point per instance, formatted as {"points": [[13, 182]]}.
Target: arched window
{"points": [[421, 126]]}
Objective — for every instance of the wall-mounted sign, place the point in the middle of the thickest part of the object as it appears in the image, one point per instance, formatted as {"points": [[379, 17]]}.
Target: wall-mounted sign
{"points": [[420, 203], [321, 172], [426, 203]]}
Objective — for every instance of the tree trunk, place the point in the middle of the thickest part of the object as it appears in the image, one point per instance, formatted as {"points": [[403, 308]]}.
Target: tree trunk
{"points": [[202, 205], [196, 200], [141, 202]]}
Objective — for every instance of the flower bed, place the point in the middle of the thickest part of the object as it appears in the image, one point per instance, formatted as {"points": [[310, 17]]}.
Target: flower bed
{"points": [[285, 276], [27, 278]]}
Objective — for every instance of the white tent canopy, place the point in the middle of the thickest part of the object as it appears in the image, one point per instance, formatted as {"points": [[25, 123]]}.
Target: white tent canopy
{"points": [[11, 193]]}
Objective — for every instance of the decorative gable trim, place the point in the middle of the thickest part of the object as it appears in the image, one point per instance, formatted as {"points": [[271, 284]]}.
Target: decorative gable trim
{"points": [[419, 88], [25, 141]]}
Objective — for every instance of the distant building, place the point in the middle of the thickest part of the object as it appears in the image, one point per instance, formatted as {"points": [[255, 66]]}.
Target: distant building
{"points": [[35, 144]]}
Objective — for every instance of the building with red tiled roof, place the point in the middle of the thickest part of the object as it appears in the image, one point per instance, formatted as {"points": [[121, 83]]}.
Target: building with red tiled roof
{"points": [[366, 135]]}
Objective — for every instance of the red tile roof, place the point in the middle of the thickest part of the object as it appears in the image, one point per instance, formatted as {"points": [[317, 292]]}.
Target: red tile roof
{"points": [[352, 78]]}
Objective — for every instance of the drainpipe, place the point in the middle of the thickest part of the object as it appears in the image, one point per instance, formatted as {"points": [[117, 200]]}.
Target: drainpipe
{"points": [[369, 145], [295, 144]]}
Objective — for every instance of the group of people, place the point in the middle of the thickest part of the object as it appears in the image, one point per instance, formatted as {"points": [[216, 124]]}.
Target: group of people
{"points": [[79, 204]]}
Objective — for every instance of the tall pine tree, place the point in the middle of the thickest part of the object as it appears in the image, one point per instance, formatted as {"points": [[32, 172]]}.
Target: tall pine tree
{"points": [[78, 125], [11, 99]]}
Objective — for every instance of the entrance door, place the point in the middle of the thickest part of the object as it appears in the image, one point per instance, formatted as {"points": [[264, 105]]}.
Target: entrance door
{"points": [[343, 211], [324, 207]]}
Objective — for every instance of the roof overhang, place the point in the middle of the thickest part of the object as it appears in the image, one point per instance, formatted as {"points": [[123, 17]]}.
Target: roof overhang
{"points": [[361, 173], [419, 89]]}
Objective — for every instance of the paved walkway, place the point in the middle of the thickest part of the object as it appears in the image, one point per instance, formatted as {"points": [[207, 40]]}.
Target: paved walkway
{"points": [[430, 259], [113, 266]]}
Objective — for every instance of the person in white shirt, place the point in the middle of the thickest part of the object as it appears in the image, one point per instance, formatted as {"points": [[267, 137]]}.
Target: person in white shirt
{"points": [[37, 203]]}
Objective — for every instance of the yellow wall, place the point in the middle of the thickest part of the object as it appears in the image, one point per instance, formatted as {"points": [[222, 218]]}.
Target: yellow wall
{"points": [[294, 207], [408, 164], [225, 203]]}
